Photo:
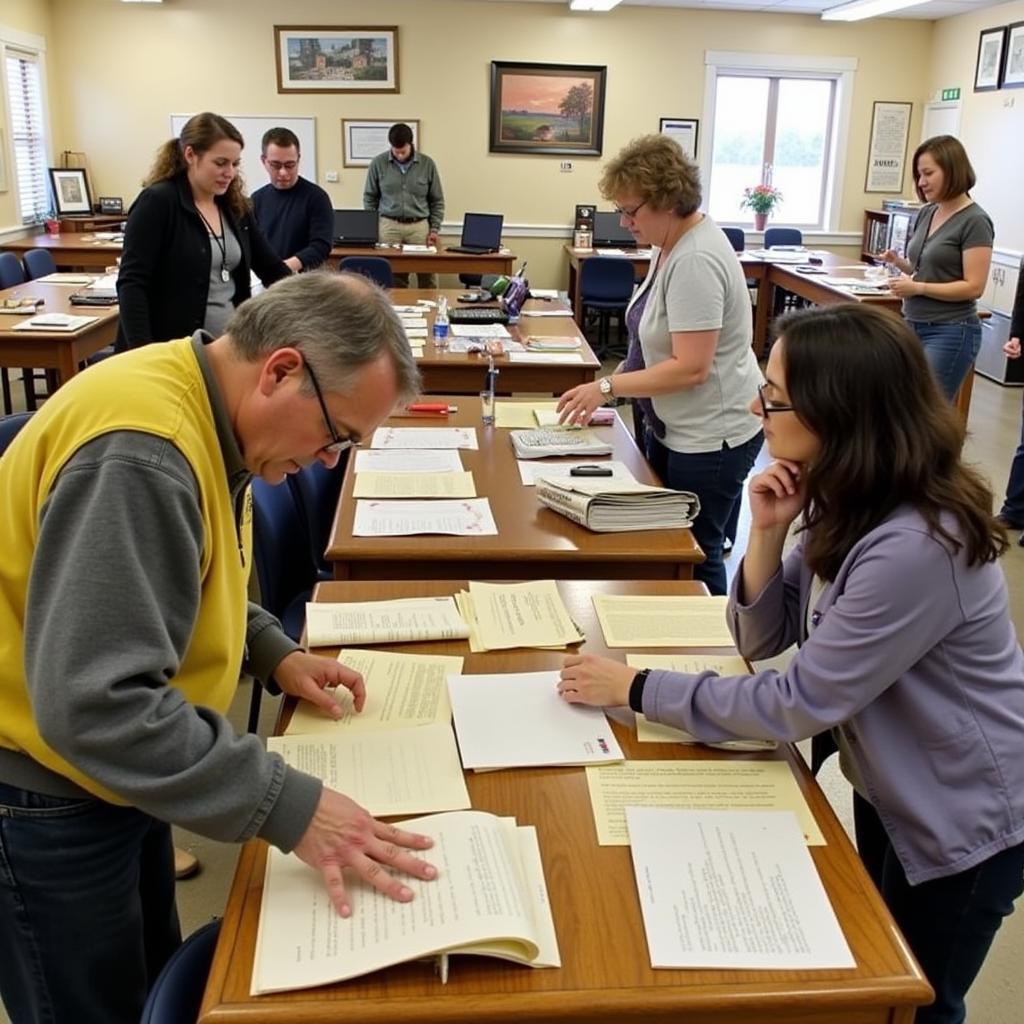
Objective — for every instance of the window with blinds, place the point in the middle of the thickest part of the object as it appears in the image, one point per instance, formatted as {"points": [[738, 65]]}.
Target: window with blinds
{"points": [[28, 138]]}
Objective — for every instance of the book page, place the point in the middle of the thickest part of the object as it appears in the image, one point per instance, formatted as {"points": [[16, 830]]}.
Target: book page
{"points": [[530, 471], [476, 898], [389, 771], [384, 622], [530, 614], [696, 785], [519, 415], [733, 889], [663, 621], [468, 517], [425, 437], [414, 485], [402, 690], [401, 460], [517, 720]]}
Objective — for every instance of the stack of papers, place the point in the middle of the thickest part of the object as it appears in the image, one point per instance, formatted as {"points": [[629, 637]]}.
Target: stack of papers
{"points": [[506, 615], [55, 322], [617, 506], [629, 621], [552, 343], [522, 415], [406, 620]]}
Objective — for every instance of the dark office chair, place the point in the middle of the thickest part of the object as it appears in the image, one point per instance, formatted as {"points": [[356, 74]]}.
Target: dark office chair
{"points": [[178, 991], [606, 285], [376, 268], [38, 263], [315, 490], [736, 239], [470, 280], [784, 236], [9, 427], [12, 273], [11, 270]]}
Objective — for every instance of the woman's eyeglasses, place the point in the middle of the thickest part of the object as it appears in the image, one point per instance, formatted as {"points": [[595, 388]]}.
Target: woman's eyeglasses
{"points": [[630, 214], [768, 406], [338, 443]]}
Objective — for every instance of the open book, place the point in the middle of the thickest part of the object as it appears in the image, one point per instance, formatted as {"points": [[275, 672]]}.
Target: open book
{"points": [[489, 899], [616, 506]]}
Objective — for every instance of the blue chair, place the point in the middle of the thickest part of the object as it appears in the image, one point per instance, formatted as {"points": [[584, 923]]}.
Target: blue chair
{"points": [[11, 270], [376, 268], [736, 238], [9, 427], [315, 490], [178, 991], [606, 285], [783, 236], [38, 263]]}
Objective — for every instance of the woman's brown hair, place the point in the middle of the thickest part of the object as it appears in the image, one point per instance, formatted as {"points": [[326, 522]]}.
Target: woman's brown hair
{"points": [[201, 132], [958, 176], [857, 377], [656, 170]]}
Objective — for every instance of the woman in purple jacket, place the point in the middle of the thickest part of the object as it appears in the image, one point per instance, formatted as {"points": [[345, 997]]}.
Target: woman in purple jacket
{"points": [[908, 660]]}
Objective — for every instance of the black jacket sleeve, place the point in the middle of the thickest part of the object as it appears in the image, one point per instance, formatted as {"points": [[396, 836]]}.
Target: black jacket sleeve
{"points": [[148, 223], [321, 231], [1017, 317]]}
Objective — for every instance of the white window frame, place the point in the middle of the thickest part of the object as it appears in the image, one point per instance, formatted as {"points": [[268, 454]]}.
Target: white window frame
{"points": [[842, 70]]}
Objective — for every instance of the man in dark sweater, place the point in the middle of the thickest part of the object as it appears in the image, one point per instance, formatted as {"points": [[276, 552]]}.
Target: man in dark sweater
{"points": [[296, 216]]}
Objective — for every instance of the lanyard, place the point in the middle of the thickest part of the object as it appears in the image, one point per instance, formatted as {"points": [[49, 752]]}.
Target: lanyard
{"points": [[225, 274]]}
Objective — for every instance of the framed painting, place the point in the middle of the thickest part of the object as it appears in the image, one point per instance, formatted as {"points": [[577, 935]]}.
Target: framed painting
{"points": [[547, 108], [315, 58], [1013, 61], [70, 190], [363, 140], [990, 59]]}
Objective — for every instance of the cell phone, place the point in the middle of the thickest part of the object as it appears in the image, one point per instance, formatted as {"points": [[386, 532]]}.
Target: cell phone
{"points": [[590, 471]]}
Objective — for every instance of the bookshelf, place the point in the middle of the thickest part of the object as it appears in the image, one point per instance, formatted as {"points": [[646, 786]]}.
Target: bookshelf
{"points": [[874, 239]]}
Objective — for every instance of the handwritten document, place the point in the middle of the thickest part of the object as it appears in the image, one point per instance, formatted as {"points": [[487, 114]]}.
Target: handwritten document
{"points": [[425, 437], [466, 518], [414, 485], [405, 620], [628, 621]]}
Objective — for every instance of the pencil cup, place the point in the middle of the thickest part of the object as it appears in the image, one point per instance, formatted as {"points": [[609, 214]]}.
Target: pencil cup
{"points": [[487, 408]]}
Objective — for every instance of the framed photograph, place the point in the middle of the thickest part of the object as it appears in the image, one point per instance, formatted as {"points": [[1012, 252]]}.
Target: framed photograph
{"points": [[990, 59], [363, 140], [887, 149], [70, 190], [315, 58], [547, 108], [1013, 61], [683, 130]]}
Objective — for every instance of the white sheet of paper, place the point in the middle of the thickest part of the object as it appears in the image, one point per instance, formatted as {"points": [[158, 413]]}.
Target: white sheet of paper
{"points": [[469, 517], [731, 889], [412, 322], [401, 460], [425, 437], [480, 331], [628, 621], [530, 470], [517, 720], [410, 247], [405, 620], [546, 312], [545, 357], [414, 485], [399, 309], [530, 614], [414, 333], [543, 293]]}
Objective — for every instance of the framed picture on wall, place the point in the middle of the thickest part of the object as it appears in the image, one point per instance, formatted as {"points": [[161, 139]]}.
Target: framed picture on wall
{"points": [[315, 58], [1013, 62], [70, 190], [547, 108], [683, 130], [990, 59], [887, 147], [363, 140]]}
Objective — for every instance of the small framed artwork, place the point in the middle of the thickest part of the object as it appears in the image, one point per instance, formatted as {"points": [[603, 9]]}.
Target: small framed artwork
{"points": [[547, 108], [363, 140], [315, 58], [70, 190], [111, 205], [1013, 62], [887, 147], [683, 130], [990, 59]]}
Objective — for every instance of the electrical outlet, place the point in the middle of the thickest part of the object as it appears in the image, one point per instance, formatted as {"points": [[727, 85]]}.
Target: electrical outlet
{"points": [[565, 166], [332, 177]]}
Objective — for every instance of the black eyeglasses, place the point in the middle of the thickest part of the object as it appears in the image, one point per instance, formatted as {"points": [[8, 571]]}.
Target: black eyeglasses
{"points": [[767, 406], [338, 443], [630, 214]]}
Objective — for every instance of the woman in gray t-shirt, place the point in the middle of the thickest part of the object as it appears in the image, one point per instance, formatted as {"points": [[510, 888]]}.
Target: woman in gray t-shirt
{"points": [[947, 261]]}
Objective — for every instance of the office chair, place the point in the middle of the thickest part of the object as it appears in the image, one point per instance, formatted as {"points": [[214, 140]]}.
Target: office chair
{"points": [[9, 427], [11, 270], [606, 285], [38, 263], [315, 490], [12, 273], [784, 236], [470, 280], [376, 268], [736, 239], [178, 991]]}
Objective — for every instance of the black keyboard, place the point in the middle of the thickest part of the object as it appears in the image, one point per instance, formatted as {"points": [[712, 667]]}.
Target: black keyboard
{"points": [[477, 315], [472, 250]]}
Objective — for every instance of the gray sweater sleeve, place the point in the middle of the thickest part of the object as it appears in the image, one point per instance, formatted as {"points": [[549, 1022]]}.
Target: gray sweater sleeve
{"points": [[112, 600]]}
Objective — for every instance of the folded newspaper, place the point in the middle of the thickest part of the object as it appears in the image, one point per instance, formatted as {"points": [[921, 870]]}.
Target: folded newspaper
{"points": [[618, 506]]}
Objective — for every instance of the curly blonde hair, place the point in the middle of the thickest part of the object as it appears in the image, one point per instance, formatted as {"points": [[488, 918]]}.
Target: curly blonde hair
{"points": [[655, 169]]}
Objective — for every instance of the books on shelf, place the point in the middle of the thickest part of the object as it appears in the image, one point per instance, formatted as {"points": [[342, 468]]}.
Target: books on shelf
{"points": [[618, 506]]}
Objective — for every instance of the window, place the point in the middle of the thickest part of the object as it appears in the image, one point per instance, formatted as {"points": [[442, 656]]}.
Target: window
{"points": [[28, 134], [782, 122]]}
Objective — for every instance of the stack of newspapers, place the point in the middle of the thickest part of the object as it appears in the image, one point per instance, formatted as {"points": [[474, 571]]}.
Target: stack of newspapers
{"points": [[618, 506]]}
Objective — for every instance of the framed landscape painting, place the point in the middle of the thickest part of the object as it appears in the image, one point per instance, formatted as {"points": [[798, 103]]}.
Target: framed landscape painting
{"points": [[313, 58], [547, 108]]}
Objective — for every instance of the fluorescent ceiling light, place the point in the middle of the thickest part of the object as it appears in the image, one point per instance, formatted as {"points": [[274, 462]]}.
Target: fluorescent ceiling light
{"points": [[593, 5], [858, 10]]}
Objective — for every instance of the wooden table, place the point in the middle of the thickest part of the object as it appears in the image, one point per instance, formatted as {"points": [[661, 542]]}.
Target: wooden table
{"points": [[464, 373], [605, 973], [532, 542], [57, 350], [70, 250], [444, 261]]}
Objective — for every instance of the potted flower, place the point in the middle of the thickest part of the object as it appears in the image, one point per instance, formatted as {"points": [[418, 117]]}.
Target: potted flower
{"points": [[762, 199]]}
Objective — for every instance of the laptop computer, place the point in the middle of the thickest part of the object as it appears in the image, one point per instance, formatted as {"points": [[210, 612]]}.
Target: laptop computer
{"points": [[609, 233], [481, 233], [355, 228]]}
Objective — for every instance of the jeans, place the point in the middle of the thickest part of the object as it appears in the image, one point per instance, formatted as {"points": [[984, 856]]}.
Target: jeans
{"points": [[949, 922], [717, 479], [87, 912], [950, 349], [1013, 504]]}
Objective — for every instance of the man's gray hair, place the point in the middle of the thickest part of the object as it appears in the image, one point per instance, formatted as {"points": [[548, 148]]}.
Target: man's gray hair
{"points": [[339, 322]]}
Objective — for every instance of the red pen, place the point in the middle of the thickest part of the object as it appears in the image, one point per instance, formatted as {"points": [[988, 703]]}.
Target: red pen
{"points": [[434, 408]]}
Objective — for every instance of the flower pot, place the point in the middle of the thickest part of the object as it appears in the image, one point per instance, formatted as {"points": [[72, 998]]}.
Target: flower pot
{"points": [[760, 220]]}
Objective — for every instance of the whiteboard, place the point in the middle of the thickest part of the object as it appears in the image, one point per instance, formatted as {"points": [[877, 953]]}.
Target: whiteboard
{"points": [[252, 129]]}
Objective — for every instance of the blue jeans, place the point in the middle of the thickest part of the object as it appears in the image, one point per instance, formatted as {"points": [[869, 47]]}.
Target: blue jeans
{"points": [[717, 479], [950, 349], [87, 913], [949, 922]]}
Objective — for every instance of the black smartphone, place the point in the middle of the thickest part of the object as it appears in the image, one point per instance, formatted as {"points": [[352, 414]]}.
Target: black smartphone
{"points": [[590, 471]]}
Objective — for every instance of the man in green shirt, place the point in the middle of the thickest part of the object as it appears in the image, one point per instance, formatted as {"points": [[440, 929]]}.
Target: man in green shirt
{"points": [[404, 186]]}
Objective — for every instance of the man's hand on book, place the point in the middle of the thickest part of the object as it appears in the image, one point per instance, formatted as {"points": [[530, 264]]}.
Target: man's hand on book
{"points": [[305, 676], [343, 835]]}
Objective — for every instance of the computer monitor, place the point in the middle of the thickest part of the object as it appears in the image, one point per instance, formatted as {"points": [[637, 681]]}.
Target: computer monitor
{"points": [[355, 227], [609, 233], [482, 230]]}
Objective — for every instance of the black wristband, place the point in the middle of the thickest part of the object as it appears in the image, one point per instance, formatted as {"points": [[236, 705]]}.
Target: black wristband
{"points": [[636, 689]]}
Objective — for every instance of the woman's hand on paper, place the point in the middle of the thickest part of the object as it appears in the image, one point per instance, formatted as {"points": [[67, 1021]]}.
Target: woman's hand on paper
{"points": [[306, 676], [577, 405], [601, 682], [344, 835], [777, 495]]}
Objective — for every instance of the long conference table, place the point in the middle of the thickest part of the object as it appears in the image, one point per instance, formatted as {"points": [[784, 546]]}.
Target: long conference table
{"points": [[533, 542], [605, 974]]}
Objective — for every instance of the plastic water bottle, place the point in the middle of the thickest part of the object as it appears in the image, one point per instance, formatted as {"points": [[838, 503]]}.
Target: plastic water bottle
{"points": [[441, 325]]}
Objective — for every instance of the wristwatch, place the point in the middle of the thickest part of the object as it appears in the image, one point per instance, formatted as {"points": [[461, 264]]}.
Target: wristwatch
{"points": [[605, 387]]}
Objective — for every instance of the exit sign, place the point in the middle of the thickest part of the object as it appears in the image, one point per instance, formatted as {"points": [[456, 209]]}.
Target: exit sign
{"points": [[951, 94]]}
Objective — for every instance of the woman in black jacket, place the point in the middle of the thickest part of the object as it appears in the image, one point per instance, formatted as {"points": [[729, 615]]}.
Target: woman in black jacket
{"points": [[191, 240]]}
